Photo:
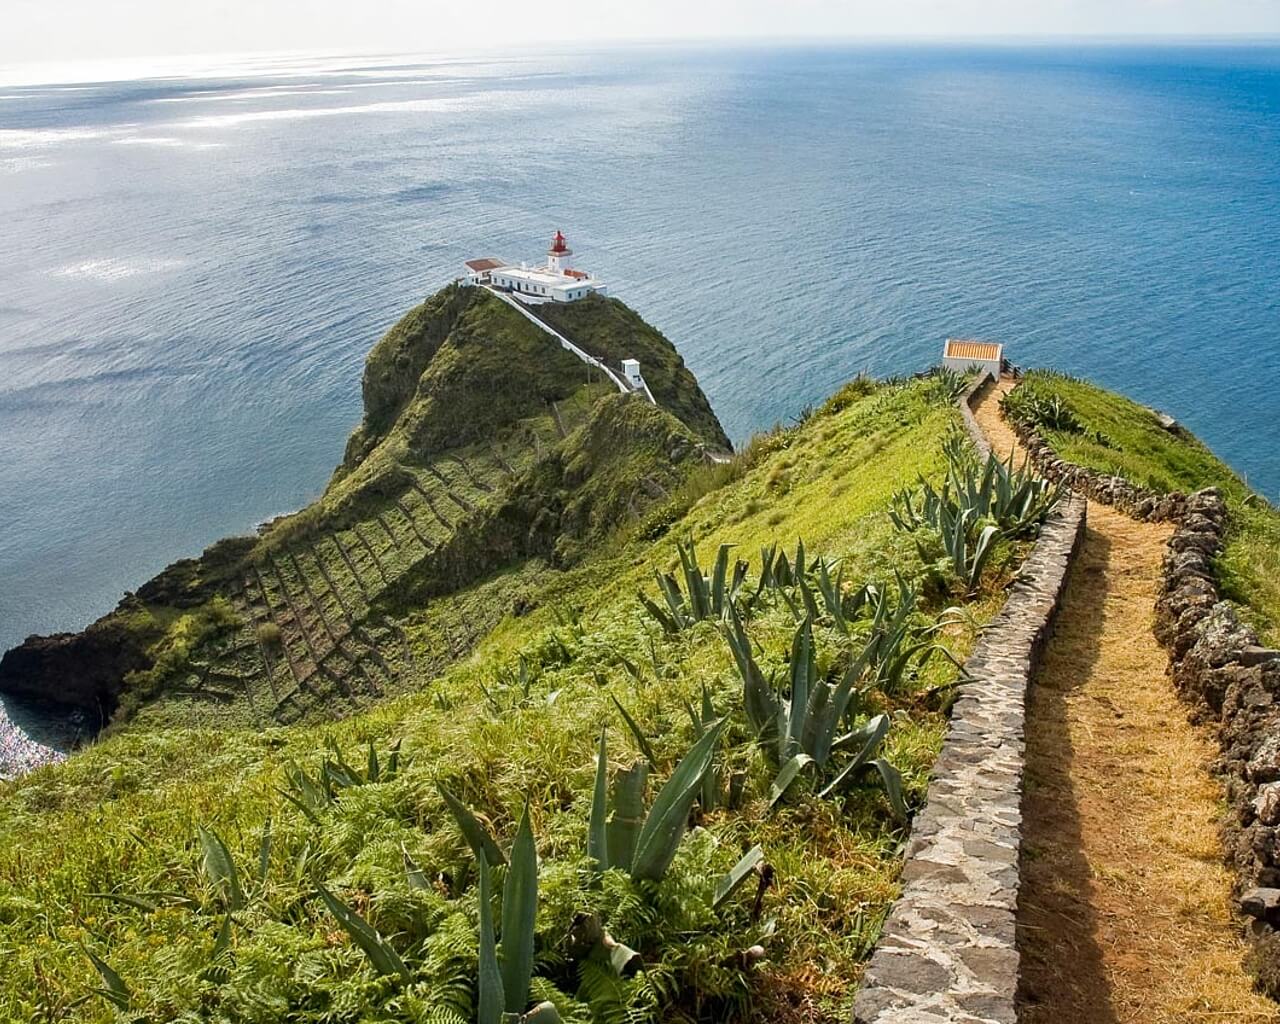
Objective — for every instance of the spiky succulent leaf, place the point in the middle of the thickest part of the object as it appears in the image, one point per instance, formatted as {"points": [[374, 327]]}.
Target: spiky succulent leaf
{"points": [[665, 825], [892, 780], [868, 740], [221, 869], [738, 874], [719, 575], [982, 550], [381, 954], [519, 913], [641, 740], [222, 941], [116, 991], [759, 700], [413, 874], [665, 620], [481, 841], [803, 673], [626, 817], [787, 775], [597, 828], [492, 997]]}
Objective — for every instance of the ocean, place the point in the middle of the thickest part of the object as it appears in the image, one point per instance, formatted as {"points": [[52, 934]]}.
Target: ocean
{"points": [[193, 269]]}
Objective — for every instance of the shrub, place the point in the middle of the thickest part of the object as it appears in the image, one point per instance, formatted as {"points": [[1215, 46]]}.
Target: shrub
{"points": [[269, 635], [860, 387]]}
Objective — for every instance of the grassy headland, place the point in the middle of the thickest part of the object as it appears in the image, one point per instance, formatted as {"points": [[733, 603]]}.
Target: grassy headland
{"points": [[196, 853]]}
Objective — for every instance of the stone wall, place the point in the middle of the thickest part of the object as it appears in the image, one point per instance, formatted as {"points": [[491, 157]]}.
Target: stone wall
{"points": [[947, 953], [971, 427], [1220, 669], [1232, 682], [1139, 502]]}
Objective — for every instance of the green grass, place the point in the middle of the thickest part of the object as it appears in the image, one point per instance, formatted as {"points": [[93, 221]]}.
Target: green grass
{"points": [[612, 332], [1120, 437], [122, 816], [484, 445]]}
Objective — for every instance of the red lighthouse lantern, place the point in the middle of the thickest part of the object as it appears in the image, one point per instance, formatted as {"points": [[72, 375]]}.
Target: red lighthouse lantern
{"points": [[558, 255]]}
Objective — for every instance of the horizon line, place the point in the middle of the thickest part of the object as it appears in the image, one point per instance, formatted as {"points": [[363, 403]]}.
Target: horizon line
{"points": [[208, 64]]}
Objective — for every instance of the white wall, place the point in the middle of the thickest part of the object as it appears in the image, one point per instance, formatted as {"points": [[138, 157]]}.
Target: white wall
{"points": [[992, 366]]}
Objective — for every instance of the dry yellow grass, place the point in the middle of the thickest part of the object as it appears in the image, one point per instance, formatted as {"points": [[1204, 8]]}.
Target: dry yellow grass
{"points": [[1125, 912]]}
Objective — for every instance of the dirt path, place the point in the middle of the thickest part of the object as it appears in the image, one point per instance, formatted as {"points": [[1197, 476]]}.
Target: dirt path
{"points": [[1124, 915]]}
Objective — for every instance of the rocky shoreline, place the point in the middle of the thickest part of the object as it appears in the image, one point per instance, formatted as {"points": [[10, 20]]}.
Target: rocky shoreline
{"points": [[34, 735]]}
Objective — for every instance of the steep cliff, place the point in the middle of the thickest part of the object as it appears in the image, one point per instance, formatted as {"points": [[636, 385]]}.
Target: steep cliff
{"points": [[484, 446]]}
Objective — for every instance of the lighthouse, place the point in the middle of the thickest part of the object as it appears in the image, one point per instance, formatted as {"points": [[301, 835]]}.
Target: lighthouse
{"points": [[558, 255], [554, 282]]}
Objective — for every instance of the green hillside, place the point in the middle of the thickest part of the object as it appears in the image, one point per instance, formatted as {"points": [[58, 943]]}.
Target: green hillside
{"points": [[1101, 430], [480, 457], [465, 600]]}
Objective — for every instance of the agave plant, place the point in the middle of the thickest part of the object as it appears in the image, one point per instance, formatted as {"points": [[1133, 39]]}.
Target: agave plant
{"points": [[951, 383], [979, 502], [703, 719], [893, 638], [707, 597], [219, 869], [381, 954], [506, 970], [513, 688], [801, 727], [1024, 405], [621, 835], [115, 990], [313, 794]]}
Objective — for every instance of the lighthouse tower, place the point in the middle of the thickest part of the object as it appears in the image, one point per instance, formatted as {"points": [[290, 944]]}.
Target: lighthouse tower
{"points": [[558, 255]]}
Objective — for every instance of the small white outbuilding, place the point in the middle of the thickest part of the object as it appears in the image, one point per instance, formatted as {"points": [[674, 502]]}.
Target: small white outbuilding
{"points": [[961, 353]]}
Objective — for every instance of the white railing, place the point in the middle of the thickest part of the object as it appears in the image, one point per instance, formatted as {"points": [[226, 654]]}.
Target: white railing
{"points": [[586, 357]]}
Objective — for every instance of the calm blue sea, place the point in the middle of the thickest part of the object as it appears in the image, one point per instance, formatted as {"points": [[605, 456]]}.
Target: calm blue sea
{"points": [[191, 271]]}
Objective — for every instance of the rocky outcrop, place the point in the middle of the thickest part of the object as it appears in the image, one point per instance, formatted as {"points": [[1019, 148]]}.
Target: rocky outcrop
{"points": [[1233, 682], [78, 670], [452, 476]]}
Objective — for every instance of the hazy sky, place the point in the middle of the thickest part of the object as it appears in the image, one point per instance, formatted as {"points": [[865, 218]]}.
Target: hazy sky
{"points": [[63, 31]]}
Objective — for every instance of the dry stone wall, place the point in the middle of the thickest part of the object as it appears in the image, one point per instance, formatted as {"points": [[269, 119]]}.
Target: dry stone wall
{"points": [[947, 953], [1233, 682], [1141, 503], [1221, 670]]}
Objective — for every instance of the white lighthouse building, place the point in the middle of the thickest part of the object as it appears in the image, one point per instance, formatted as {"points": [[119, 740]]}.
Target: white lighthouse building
{"points": [[554, 281]]}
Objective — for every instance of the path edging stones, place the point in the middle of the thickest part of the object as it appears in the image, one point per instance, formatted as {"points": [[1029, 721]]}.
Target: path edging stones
{"points": [[1220, 669], [1139, 503], [947, 953]]}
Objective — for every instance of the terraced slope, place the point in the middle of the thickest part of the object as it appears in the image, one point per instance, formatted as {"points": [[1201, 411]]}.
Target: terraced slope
{"points": [[104, 852], [479, 453]]}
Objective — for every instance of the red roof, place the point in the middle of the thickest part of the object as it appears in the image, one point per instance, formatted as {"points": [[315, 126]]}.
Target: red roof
{"points": [[487, 263], [579, 274], [963, 348]]}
